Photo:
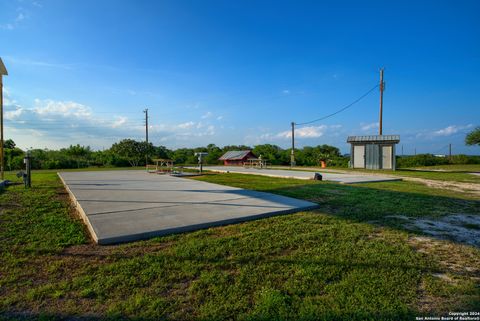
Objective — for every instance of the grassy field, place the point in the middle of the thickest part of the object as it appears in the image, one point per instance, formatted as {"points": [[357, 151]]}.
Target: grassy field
{"points": [[451, 173], [463, 168], [344, 261]]}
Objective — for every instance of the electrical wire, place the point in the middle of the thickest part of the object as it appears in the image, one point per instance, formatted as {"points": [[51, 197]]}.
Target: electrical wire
{"points": [[340, 110], [441, 149]]}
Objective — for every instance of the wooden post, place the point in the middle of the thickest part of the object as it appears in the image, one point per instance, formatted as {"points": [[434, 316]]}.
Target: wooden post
{"points": [[292, 155], [3, 71], [2, 174]]}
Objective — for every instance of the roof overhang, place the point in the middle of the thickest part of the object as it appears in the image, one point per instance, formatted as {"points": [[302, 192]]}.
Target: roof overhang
{"points": [[395, 139], [3, 69]]}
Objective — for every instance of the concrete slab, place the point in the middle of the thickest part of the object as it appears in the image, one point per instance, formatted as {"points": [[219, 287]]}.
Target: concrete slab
{"points": [[284, 173], [122, 206]]}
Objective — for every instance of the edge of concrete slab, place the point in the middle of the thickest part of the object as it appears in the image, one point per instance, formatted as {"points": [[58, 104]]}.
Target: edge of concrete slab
{"points": [[79, 210], [195, 227], [375, 181], [261, 174], [175, 230], [389, 179]]}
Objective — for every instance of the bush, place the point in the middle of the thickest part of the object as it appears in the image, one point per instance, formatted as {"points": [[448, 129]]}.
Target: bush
{"points": [[421, 160], [338, 162], [464, 159]]}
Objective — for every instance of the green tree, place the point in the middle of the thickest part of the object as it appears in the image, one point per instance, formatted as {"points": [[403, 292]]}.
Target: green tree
{"points": [[134, 152], [214, 153], [78, 153], [13, 155], [270, 153], [10, 144], [473, 138], [184, 156], [163, 152]]}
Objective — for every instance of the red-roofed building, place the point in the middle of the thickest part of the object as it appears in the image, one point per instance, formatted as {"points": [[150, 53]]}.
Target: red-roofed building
{"points": [[237, 157]]}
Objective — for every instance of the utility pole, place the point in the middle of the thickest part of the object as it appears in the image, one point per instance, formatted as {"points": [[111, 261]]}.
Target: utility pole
{"points": [[146, 134], [415, 151], [402, 149], [3, 71], [146, 124], [450, 151], [382, 87], [292, 155]]}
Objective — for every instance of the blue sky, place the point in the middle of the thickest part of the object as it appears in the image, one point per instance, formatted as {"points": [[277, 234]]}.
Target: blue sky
{"points": [[238, 72]]}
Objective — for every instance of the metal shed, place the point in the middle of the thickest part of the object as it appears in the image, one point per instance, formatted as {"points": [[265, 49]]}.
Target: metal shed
{"points": [[373, 152]]}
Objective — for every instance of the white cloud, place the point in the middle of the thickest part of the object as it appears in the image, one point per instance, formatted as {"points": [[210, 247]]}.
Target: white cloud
{"points": [[367, 127], [61, 123], [12, 114], [285, 91], [120, 120], [186, 125], [15, 22], [308, 132], [219, 117], [207, 115], [305, 132], [62, 108], [20, 17], [450, 130], [210, 130]]}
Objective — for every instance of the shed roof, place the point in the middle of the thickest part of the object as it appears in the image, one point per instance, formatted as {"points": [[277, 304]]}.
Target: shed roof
{"points": [[235, 155], [374, 138]]}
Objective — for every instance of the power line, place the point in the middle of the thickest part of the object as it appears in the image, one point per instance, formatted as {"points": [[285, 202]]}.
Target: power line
{"points": [[340, 110], [441, 149]]}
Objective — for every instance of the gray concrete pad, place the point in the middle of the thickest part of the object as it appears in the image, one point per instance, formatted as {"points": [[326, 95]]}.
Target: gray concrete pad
{"points": [[122, 206], [284, 173]]}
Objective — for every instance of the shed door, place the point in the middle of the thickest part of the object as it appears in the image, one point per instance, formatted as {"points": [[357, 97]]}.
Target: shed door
{"points": [[372, 156], [359, 156], [387, 157]]}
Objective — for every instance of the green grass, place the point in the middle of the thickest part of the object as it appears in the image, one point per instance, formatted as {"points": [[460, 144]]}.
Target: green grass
{"points": [[335, 263], [360, 202], [461, 168], [461, 173]]}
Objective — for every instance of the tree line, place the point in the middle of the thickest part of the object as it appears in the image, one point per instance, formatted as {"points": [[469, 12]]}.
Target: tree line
{"points": [[129, 152]]}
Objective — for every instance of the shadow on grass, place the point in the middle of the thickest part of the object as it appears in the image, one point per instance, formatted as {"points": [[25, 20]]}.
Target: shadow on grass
{"points": [[438, 171], [384, 207]]}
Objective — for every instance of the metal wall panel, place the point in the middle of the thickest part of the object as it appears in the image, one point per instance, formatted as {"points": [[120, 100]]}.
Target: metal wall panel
{"points": [[372, 156]]}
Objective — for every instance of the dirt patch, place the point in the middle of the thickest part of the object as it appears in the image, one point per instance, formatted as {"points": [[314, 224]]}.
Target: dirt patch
{"points": [[471, 188], [457, 264], [461, 228]]}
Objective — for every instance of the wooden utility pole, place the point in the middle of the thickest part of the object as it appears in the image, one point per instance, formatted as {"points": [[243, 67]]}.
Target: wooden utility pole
{"points": [[292, 155], [382, 87], [3, 71], [146, 124]]}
